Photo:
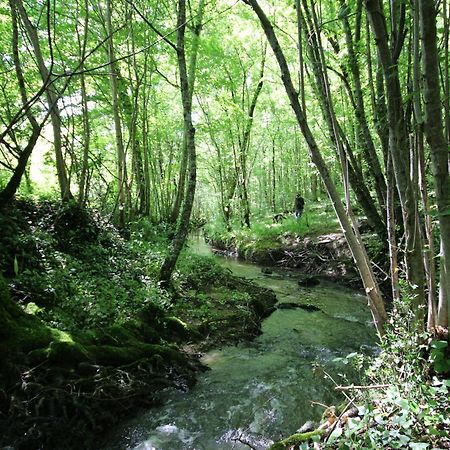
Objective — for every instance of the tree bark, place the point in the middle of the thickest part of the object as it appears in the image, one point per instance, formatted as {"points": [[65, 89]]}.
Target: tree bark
{"points": [[196, 31], [336, 134], [438, 147], [8, 192], [398, 147], [120, 150], [52, 101], [360, 114], [189, 131], [83, 180]]}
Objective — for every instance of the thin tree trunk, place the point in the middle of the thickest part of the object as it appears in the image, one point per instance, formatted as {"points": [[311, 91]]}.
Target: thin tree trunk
{"points": [[398, 147], [196, 31], [121, 168], [429, 253], [52, 101], [186, 95], [438, 147], [368, 144], [274, 179], [83, 180], [446, 69], [8, 192], [336, 134], [244, 144]]}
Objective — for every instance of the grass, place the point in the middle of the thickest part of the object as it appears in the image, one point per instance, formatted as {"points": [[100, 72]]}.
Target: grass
{"points": [[265, 234]]}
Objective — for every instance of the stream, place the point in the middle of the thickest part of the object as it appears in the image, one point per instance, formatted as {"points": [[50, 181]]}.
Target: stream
{"points": [[262, 390]]}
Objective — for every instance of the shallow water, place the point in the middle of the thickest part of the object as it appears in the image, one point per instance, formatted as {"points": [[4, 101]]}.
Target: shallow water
{"points": [[262, 390]]}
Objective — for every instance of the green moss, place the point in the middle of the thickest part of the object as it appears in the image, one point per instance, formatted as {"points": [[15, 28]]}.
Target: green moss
{"points": [[117, 356], [67, 353], [116, 335], [296, 439], [148, 333], [178, 329]]}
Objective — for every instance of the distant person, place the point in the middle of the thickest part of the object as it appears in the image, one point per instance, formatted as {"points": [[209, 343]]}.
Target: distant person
{"points": [[299, 206]]}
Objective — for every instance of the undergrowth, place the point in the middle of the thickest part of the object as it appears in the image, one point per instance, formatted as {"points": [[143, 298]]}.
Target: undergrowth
{"points": [[74, 270], [406, 404], [266, 234]]}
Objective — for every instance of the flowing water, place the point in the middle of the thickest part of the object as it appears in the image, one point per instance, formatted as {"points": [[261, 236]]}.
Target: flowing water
{"points": [[262, 390]]}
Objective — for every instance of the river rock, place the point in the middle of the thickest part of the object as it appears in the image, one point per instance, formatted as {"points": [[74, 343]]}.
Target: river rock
{"points": [[290, 305]]}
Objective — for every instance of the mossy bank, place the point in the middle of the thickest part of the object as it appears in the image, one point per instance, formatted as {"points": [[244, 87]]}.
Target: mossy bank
{"points": [[87, 335]]}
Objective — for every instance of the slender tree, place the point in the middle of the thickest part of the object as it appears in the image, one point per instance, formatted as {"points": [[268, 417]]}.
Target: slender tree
{"points": [[399, 151], [189, 136], [51, 93], [439, 146]]}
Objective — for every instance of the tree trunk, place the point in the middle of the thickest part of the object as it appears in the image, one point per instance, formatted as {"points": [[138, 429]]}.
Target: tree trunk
{"points": [[398, 147], [368, 144], [336, 134], [121, 167], [244, 144], [83, 180], [52, 101], [189, 131], [8, 192], [196, 31], [438, 147]]}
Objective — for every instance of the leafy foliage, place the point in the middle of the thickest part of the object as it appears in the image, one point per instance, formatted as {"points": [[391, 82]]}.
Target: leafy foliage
{"points": [[88, 274], [412, 410], [266, 234]]}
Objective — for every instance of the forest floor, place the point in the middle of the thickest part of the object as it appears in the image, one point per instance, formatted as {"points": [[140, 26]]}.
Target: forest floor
{"points": [[87, 337], [86, 334]]}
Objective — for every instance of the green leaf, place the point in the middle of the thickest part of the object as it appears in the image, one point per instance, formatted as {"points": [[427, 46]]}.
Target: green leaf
{"points": [[439, 344], [418, 446], [337, 432], [435, 213], [16, 266]]}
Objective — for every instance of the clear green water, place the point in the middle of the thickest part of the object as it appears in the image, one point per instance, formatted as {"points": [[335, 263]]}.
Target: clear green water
{"points": [[261, 390]]}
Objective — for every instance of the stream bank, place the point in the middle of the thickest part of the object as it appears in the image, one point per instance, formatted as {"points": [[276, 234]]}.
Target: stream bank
{"points": [[326, 256]]}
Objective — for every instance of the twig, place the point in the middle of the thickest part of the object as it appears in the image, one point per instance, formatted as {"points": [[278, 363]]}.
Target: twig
{"points": [[243, 441], [334, 425], [370, 386]]}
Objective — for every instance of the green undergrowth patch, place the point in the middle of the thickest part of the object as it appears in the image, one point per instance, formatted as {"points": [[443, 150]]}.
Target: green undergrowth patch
{"points": [[266, 235], [222, 307]]}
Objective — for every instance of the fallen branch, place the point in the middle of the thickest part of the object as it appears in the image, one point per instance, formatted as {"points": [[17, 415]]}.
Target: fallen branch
{"points": [[297, 439]]}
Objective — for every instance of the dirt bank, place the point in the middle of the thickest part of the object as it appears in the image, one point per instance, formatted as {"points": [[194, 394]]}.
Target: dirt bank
{"points": [[326, 255]]}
